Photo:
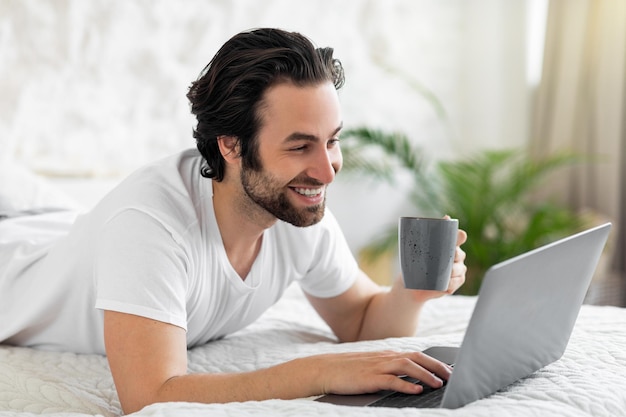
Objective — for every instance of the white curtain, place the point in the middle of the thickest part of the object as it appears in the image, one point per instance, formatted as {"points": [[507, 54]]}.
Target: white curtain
{"points": [[581, 106]]}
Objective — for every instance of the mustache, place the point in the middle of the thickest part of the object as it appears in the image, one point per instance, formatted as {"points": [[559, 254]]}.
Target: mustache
{"points": [[306, 180]]}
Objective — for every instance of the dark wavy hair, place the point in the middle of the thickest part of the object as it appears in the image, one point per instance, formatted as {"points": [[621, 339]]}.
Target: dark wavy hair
{"points": [[227, 96]]}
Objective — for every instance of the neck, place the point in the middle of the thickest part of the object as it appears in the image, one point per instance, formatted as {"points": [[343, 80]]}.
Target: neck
{"points": [[241, 226]]}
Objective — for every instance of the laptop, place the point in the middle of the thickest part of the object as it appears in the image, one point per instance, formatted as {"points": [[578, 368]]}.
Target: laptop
{"points": [[522, 321]]}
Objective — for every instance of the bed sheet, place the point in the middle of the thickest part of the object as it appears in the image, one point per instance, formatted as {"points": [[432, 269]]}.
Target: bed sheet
{"points": [[590, 379]]}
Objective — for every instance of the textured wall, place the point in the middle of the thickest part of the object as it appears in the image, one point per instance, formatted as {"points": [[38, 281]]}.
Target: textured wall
{"points": [[97, 87]]}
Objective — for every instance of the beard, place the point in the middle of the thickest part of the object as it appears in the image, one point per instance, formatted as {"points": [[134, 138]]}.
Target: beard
{"points": [[266, 192]]}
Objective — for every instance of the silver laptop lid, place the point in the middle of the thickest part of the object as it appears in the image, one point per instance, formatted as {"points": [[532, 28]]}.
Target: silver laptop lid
{"points": [[524, 316]]}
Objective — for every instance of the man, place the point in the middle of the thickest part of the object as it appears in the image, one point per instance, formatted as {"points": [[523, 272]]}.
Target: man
{"points": [[197, 246]]}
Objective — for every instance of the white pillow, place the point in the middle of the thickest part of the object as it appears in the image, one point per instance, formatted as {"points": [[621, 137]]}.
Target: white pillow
{"points": [[22, 189]]}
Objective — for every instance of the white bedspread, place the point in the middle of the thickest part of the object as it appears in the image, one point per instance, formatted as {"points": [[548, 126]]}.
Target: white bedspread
{"points": [[590, 379]]}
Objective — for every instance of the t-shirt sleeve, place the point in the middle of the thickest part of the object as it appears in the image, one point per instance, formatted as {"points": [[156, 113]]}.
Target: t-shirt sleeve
{"points": [[333, 269], [140, 268]]}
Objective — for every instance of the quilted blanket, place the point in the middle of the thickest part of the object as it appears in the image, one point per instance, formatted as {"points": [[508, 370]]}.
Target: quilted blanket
{"points": [[589, 380]]}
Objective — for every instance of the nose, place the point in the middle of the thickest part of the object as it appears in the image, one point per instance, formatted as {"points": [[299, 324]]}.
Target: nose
{"points": [[326, 164]]}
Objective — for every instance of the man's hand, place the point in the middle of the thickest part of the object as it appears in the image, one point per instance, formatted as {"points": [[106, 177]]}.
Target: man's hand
{"points": [[365, 372]]}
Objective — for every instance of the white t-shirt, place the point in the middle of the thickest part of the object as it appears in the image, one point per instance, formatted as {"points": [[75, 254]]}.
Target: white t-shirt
{"points": [[152, 248]]}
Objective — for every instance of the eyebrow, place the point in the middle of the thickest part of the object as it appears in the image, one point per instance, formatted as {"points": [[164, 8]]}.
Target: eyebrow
{"points": [[295, 136]]}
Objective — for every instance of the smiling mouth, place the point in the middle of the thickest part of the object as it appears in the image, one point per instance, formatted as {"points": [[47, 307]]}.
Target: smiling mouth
{"points": [[309, 192]]}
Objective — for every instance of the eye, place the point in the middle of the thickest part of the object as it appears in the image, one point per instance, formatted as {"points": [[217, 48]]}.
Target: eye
{"points": [[333, 142], [299, 148]]}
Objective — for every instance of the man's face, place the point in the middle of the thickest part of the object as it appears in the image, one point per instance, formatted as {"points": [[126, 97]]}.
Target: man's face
{"points": [[298, 150]]}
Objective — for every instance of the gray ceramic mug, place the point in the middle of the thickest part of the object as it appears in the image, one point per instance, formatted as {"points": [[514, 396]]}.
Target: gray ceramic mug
{"points": [[426, 247]]}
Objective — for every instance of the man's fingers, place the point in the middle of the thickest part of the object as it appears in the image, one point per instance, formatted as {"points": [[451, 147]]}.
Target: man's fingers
{"points": [[373, 371], [421, 366], [461, 237]]}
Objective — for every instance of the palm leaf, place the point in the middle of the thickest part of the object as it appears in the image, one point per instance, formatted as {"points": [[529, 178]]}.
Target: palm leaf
{"points": [[362, 149]]}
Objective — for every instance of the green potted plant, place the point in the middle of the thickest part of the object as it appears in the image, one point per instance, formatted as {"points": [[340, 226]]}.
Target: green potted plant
{"points": [[491, 193]]}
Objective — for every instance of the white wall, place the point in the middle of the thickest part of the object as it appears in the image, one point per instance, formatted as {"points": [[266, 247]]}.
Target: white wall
{"points": [[97, 88]]}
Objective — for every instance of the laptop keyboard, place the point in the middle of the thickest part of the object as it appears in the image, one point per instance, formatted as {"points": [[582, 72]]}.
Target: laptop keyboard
{"points": [[429, 398]]}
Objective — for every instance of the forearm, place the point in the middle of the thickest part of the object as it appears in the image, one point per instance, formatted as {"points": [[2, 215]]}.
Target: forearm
{"points": [[277, 382], [393, 313], [366, 311], [257, 385]]}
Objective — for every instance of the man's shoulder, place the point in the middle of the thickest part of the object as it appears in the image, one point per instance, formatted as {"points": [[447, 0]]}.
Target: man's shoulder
{"points": [[170, 190]]}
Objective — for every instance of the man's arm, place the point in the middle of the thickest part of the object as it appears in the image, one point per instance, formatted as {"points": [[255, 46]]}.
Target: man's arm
{"points": [[367, 311], [148, 360]]}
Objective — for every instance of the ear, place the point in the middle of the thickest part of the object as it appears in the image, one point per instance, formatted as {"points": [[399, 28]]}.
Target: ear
{"points": [[229, 148]]}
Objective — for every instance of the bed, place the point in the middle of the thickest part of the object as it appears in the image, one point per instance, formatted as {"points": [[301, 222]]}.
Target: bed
{"points": [[589, 380]]}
